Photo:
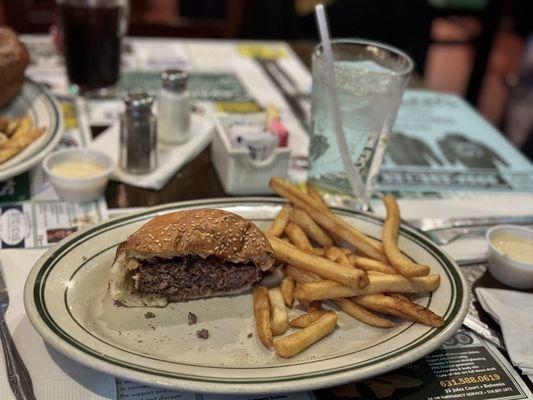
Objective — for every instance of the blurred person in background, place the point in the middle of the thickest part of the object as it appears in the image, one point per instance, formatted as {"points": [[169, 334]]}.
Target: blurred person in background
{"points": [[519, 115]]}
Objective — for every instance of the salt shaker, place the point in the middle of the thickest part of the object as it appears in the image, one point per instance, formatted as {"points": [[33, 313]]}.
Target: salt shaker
{"points": [[138, 134], [173, 117]]}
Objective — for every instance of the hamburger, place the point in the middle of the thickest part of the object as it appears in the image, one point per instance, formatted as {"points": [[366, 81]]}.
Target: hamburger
{"points": [[188, 255], [14, 59]]}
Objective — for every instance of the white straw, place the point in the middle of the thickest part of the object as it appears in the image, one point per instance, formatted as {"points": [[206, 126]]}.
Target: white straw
{"points": [[355, 180]]}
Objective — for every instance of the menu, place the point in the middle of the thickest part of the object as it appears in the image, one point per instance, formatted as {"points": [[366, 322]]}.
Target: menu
{"points": [[31, 214]]}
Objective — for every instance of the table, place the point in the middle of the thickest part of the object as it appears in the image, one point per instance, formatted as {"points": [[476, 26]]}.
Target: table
{"points": [[185, 185]]}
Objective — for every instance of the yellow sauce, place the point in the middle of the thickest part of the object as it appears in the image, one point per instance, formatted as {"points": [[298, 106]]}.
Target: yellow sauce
{"points": [[515, 247], [77, 169]]}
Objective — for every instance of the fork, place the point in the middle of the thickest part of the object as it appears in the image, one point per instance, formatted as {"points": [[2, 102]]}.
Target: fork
{"points": [[17, 374], [444, 231]]}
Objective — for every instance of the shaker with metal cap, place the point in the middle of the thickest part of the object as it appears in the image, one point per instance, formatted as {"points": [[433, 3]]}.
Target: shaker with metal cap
{"points": [[173, 119], [138, 140]]}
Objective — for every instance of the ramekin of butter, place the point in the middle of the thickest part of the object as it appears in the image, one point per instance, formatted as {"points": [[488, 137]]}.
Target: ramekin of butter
{"points": [[78, 175], [510, 255]]}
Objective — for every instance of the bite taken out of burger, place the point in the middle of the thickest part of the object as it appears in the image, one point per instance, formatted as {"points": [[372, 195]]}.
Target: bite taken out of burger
{"points": [[188, 255]]}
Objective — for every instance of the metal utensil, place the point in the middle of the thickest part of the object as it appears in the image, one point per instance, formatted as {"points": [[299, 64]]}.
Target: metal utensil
{"points": [[484, 331], [17, 374], [444, 231]]}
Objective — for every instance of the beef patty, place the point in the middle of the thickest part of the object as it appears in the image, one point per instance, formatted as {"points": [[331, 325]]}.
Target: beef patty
{"points": [[182, 277]]}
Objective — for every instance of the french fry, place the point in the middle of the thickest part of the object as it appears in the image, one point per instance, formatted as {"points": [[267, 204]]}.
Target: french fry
{"points": [[336, 255], [390, 242], [378, 273], [328, 289], [291, 345], [315, 305], [287, 290], [399, 295], [11, 126], [362, 314], [371, 265], [24, 127], [313, 193], [346, 251], [326, 219], [303, 321], [280, 222], [372, 302], [279, 319], [377, 244], [418, 313], [318, 251], [16, 144], [262, 315], [325, 268], [310, 227], [297, 237], [355, 311], [314, 312], [300, 275], [413, 311], [305, 303]]}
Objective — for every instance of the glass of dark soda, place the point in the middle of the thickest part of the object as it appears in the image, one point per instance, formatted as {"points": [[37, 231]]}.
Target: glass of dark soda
{"points": [[92, 32]]}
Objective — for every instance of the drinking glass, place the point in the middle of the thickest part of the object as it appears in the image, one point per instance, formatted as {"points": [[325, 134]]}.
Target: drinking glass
{"points": [[370, 78], [92, 32]]}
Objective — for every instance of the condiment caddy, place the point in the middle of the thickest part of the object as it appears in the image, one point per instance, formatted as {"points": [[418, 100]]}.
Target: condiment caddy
{"points": [[248, 149]]}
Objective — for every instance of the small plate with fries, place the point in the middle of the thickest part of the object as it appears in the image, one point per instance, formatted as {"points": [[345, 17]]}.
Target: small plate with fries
{"points": [[343, 304], [30, 128]]}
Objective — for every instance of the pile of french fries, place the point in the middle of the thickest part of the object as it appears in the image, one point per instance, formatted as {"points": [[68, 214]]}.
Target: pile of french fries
{"points": [[325, 259], [15, 135]]}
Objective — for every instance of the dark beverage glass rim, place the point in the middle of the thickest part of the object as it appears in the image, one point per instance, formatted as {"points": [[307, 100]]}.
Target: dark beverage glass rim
{"points": [[93, 3]]}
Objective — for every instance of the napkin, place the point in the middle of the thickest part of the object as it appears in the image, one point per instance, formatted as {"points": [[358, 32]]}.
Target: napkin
{"points": [[512, 310], [54, 376], [170, 157], [463, 205]]}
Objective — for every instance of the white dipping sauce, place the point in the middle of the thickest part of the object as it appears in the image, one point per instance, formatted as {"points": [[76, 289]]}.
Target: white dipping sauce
{"points": [[77, 169], [515, 247]]}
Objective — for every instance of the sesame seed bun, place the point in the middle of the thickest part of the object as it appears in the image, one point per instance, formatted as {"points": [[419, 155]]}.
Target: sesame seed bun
{"points": [[199, 232], [14, 60], [204, 232]]}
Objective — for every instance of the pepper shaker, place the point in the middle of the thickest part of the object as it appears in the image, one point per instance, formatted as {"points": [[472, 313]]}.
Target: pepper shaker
{"points": [[138, 134], [173, 118]]}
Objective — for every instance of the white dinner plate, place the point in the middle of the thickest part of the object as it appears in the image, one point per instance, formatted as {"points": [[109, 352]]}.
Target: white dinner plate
{"points": [[44, 110], [66, 301]]}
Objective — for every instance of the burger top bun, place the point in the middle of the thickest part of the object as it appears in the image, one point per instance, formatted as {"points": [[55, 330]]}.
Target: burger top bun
{"points": [[204, 232], [14, 59]]}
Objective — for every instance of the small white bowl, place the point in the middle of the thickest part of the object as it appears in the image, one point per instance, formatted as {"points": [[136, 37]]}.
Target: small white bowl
{"points": [[78, 189], [504, 268]]}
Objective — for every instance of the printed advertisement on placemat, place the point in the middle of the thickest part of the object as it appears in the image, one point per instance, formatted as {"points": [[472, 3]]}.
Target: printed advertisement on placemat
{"points": [[464, 367], [440, 144]]}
